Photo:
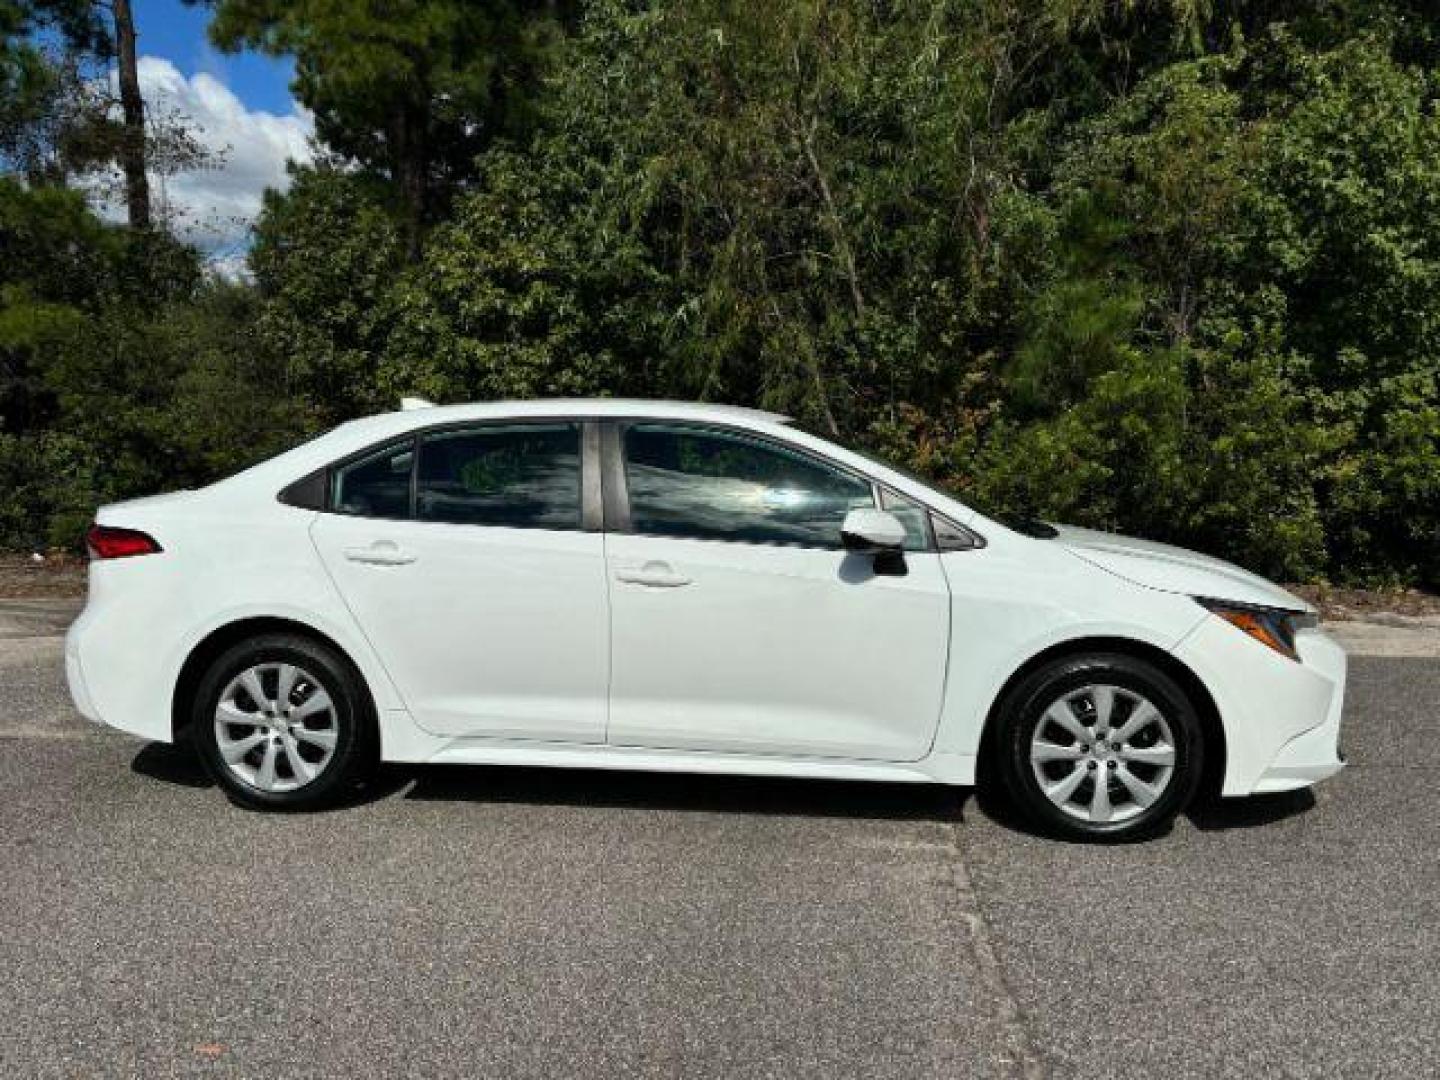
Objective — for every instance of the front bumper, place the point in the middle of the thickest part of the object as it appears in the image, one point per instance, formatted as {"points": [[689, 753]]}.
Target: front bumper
{"points": [[1313, 755], [1281, 718]]}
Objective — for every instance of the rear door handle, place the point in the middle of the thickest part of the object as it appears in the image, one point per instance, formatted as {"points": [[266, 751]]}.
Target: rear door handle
{"points": [[657, 575], [380, 553]]}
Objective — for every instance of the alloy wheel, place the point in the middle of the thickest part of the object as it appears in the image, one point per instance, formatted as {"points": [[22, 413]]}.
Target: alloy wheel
{"points": [[276, 727], [1103, 753]]}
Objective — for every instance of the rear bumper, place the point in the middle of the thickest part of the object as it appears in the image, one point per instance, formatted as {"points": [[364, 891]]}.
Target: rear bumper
{"points": [[75, 678], [120, 652], [1282, 719]]}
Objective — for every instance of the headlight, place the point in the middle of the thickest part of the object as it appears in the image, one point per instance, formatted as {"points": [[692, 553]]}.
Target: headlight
{"points": [[1274, 627]]}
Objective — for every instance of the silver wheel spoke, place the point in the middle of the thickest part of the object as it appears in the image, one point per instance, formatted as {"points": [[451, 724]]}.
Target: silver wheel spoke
{"points": [[1063, 716], [285, 685], [1141, 792], [323, 739], [1159, 754], [1103, 698], [230, 713], [1061, 791], [1144, 715], [1046, 751], [265, 778], [1100, 807], [317, 702], [236, 750], [303, 770], [250, 680]]}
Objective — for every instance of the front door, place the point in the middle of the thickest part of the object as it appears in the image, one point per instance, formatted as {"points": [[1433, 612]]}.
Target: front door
{"points": [[738, 621]]}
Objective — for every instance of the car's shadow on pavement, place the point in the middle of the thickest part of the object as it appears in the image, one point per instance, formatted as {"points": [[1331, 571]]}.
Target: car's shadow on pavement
{"points": [[178, 765], [682, 792], [679, 792], [1222, 815], [171, 764], [1207, 812]]}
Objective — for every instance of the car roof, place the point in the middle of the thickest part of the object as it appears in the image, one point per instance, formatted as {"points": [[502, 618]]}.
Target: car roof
{"points": [[355, 435], [426, 415]]}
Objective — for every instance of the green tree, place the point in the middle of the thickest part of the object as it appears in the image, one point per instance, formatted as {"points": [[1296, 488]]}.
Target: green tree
{"points": [[36, 88], [327, 256], [746, 192], [516, 298], [411, 90], [1165, 266], [1341, 232]]}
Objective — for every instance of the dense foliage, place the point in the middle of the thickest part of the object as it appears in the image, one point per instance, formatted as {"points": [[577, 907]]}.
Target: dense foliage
{"points": [[1169, 266]]}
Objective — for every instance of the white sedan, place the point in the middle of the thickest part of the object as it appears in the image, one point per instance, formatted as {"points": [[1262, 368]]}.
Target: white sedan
{"points": [[690, 588]]}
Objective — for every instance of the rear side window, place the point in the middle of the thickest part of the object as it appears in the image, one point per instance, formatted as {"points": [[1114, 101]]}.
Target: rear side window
{"points": [[521, 476], [377, 485], [706, 484]]}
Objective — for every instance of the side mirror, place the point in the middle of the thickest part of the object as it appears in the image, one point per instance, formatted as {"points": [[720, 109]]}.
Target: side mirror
{"points": [[867, 531]]}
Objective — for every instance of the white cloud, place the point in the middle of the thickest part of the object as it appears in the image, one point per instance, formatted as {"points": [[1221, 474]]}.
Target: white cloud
{"points": [[214, 207]]}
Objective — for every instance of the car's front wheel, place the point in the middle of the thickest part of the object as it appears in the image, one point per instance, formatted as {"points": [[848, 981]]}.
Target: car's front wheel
{"points": [[282, 723], [1101, 746]]}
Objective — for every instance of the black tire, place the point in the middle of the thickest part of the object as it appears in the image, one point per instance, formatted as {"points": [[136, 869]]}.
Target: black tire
{"points": [[351, 718], [1023, 710]]}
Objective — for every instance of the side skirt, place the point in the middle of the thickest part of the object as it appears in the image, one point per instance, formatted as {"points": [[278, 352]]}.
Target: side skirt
{"points": [[403, 741]]}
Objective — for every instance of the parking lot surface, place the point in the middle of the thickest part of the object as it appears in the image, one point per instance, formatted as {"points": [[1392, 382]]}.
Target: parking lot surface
{"points": [[546, 923]]}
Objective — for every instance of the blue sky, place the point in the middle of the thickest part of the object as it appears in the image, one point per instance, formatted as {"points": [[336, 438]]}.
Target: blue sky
{"points": [[237, 107], [176, 32]]}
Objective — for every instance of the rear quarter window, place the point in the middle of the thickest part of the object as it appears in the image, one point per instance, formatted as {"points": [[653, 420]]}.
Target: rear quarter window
{"points": [[377, 485]]}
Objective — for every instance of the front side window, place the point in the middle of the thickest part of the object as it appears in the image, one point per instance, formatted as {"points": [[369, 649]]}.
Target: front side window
{"points": [[712, 485], [514, 475], [377, 485], [912, 515]]}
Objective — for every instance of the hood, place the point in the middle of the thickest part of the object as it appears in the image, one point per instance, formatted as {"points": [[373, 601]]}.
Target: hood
{"points": [[1174, 569]]}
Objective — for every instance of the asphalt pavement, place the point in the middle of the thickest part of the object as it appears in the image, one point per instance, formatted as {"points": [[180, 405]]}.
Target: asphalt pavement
{"points": [[525, 922]]}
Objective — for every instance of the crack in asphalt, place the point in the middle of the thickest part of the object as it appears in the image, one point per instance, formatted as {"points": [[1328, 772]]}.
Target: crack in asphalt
{"points": [[987, 961]]}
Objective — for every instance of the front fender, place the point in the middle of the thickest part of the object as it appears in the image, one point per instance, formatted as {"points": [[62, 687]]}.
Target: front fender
{"points": [[1006, 612]]}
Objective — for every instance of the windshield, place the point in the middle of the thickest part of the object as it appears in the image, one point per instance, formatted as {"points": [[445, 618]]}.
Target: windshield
{"points": [[1021, 523]]}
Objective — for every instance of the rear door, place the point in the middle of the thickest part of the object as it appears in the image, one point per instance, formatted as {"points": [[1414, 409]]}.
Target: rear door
{"points": [[472, 559], [738, 621]]}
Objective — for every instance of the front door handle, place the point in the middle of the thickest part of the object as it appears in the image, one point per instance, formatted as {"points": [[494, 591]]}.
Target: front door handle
{"points": [[657, 575], [380, 553]]}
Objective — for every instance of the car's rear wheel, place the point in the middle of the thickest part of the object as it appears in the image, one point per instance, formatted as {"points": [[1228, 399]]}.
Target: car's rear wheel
{"points": [[282, 722], [1100, 746]]}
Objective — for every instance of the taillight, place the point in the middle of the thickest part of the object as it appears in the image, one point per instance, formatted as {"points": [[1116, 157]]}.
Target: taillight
{"points": [[110, 542]]}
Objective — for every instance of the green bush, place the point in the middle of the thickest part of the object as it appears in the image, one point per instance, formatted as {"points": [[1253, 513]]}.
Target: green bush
{"points": [[1163, 267]]}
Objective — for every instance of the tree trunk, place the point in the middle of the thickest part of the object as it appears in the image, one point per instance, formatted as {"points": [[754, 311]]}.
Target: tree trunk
{"points": [[409, 153], [132, 106], [832, 215]]}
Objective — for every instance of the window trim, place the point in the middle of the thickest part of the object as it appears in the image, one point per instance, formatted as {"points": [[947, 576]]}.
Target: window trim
{"points": [[612, 472], [617, 504], [604, 494], [590, 481]]}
